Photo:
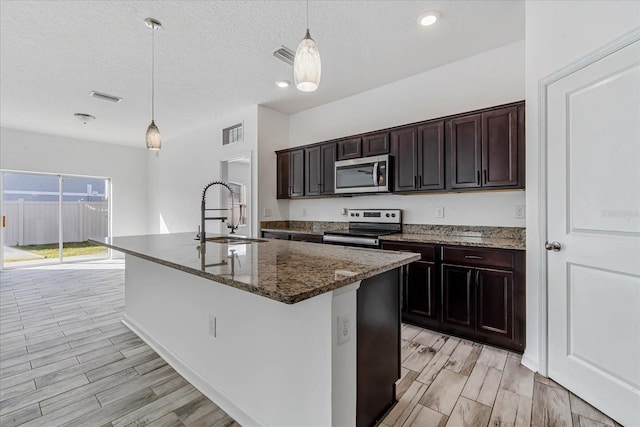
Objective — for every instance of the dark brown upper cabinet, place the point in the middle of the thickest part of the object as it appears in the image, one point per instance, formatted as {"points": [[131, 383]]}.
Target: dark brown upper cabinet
{"points": [[319, 169], [484, 150], [350, 148], [375, 144], [283, 185], [419, 157], [290, 174]]}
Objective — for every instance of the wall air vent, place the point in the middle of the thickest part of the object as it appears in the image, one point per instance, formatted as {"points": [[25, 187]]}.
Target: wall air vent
{"points": [[285, 54], [106, 97]]}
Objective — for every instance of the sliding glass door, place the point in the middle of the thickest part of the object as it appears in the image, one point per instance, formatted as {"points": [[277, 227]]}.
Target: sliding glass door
{"points": [[49, 218], [85, 213]]}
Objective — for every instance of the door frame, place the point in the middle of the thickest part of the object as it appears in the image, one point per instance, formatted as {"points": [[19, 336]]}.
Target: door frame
{"points": [[596, 55]]}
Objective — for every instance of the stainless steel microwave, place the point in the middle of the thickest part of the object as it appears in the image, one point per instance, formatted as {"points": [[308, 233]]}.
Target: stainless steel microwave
{"points": [[365, 175]]}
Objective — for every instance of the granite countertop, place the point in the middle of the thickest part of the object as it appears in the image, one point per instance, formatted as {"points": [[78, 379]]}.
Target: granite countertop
{"points": [[482, 242], [282, 270]]}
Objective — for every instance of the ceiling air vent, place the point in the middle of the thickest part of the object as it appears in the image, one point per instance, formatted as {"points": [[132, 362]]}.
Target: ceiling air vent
{"points": [[106, 97], [285, 54]]}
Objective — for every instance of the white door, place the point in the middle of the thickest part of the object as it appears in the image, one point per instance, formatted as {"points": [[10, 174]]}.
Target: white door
{"points": [[593, 212]]}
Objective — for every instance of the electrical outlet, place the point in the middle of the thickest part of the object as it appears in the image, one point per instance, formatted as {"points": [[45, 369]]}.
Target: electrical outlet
{"points": [[212, 325], [440, 212], [344, 329], [267, 212], [304, 212], [520, 211]]}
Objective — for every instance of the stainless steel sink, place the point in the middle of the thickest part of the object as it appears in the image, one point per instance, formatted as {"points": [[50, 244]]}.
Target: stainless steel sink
{"points": [[232, 240]]}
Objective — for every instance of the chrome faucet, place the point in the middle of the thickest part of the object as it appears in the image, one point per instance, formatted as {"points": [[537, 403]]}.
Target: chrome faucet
{"points": [[202, 235]]}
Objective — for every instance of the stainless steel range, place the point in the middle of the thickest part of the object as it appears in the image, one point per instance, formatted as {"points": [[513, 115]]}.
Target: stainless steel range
{"points": [[365, 227]]}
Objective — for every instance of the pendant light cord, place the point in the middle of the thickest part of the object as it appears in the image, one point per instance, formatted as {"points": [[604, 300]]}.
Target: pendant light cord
{"points": [[307, 15], [153, 68]]}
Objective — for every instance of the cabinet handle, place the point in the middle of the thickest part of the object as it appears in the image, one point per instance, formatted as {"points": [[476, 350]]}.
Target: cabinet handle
{"points": [[478, 177], [420, 181], [473, 257], [485, 176], [415, 181]]}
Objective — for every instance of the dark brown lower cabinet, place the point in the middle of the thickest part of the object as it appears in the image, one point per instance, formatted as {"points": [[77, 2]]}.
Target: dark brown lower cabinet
{"points": [[299, 237], [458, 292], [474, 293]]}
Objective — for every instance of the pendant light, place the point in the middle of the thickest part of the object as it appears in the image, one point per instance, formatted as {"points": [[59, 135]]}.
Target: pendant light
{"points": [[154, 141], [306, 64]]}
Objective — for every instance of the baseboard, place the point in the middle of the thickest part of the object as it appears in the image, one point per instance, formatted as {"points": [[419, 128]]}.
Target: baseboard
{"points": [[235, 410], [530, 363]]}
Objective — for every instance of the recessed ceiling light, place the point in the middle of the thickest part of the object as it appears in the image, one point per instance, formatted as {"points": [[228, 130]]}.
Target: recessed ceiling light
{"points": [[283, 83], [428, 18], [84, 118]]}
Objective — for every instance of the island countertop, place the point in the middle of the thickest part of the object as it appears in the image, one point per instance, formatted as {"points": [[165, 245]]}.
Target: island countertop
{"points": [[282, 270]]}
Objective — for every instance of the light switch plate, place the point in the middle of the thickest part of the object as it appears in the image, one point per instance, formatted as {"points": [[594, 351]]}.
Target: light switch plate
{"points": [[520, 211], [267, 212], [440, 212]]}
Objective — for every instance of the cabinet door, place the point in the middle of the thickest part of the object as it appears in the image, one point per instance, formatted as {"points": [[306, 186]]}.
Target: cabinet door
{"points": [[404, 145], [350, 149], [327, 168], [421, 296], [312, 169], [376, 144], [458, 296], [283, 186], [296, 173], [500, 148], [465, 141], [431, 156], [494, 302]]}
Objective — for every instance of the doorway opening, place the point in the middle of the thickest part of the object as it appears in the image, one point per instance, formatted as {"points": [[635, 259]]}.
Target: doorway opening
{"points": [[49, 218]]}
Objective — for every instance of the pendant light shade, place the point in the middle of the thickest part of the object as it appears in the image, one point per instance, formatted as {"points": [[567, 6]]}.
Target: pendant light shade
{"points": [[306, 65], [154, 141], [153, 138]]}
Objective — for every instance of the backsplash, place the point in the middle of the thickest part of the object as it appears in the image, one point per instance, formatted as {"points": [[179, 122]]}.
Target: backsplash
{"points": [[517, 233]]}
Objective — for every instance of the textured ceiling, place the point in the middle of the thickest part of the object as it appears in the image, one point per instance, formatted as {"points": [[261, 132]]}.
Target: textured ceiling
{"points": [[213, 57]]}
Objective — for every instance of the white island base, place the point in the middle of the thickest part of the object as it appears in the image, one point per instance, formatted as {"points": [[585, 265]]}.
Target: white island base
{"points": [[263, 362]]}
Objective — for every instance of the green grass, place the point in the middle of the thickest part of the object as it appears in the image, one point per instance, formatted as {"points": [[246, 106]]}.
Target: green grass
{"points": [[68, 250]]}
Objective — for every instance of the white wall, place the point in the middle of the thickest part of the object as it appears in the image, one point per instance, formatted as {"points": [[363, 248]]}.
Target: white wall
{"points": [[126, 166], [557, 34], [273, 134], [179, 172], [491, 78]]}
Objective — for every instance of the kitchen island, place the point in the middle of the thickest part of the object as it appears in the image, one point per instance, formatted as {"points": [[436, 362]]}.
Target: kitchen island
{"points": [[277, 333]]}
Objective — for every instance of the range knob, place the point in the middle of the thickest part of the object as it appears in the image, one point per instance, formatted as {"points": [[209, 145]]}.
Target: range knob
{"points": [[357, 214], [393, 215], [387, 215], [352, 214]]}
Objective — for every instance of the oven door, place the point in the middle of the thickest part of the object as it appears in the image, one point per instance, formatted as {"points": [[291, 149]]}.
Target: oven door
{"points": [[366, 175]]}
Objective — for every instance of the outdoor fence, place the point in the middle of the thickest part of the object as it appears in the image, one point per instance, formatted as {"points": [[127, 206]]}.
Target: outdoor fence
{"points": [[36, 223]]}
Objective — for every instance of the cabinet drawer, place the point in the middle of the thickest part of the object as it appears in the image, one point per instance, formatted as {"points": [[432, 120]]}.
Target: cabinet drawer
{"points": [[427, 252], [482, 257]]}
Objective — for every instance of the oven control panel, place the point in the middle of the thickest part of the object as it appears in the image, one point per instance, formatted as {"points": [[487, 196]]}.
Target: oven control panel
{"points": [[390, 216]]}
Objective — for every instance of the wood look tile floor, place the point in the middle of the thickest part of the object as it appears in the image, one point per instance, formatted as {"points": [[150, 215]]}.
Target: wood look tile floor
{"points": [[448, 381], [65, 359]]}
